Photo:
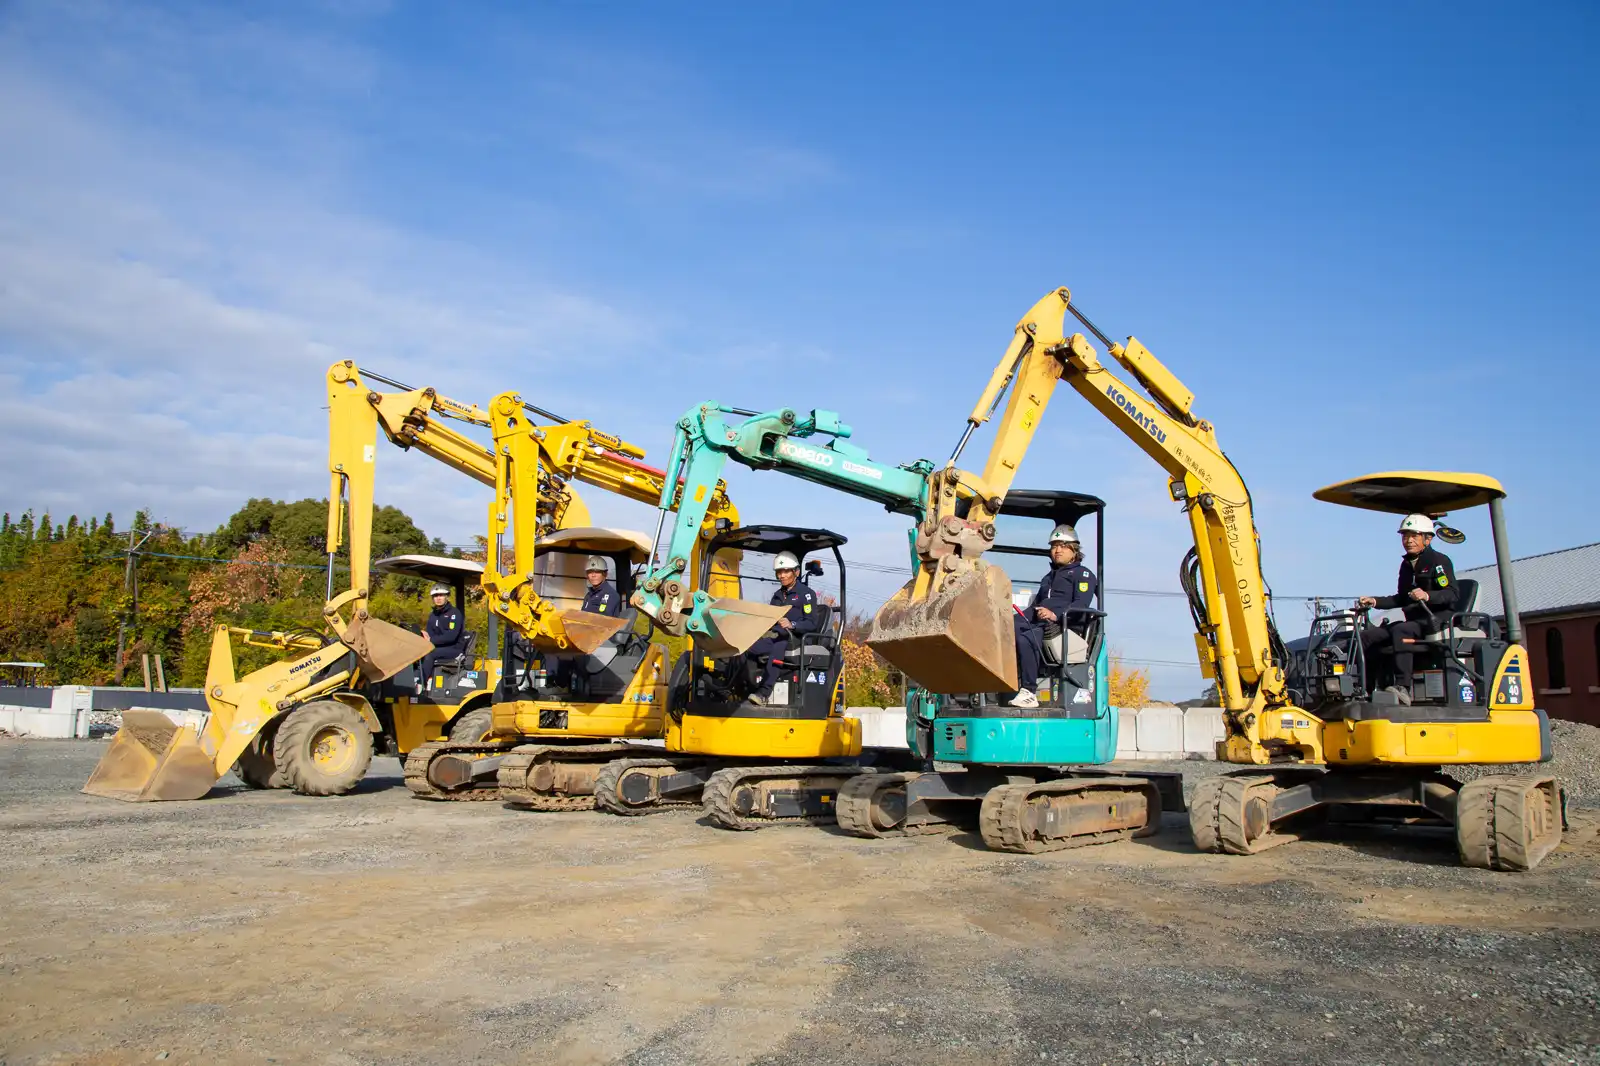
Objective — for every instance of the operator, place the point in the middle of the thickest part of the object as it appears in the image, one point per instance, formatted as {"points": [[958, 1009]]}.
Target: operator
{"points": [[1066, 591], [602, 596], [802, 617], [448, 631], [1427, 589]]}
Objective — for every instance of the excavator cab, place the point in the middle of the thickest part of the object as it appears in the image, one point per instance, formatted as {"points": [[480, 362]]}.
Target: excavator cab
{"points": [[1466, 658], [709, 698], [418, 709], [1072, 678]]}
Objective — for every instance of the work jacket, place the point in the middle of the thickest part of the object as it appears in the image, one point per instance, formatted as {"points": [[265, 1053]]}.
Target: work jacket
{"points": [[603, 599], [446, 627], [1430, 571], [802, 603]]}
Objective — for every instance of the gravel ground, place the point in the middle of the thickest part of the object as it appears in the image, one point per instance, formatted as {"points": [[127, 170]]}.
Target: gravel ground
{"points": [[259, 927]]}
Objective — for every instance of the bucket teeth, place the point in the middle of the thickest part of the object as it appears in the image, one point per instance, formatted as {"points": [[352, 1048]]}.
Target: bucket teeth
{"points": [[959, 639]]}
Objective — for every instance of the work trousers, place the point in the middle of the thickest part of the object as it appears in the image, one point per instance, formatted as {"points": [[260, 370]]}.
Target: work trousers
{"points": [[1378, 640], [765, 653]]}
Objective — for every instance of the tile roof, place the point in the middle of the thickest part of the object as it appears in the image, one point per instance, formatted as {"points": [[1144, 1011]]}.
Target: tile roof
{"points": [[1555, 581]]}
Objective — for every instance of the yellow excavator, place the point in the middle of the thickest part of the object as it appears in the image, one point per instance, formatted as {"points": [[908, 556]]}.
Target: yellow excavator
{"points": [[1325, 744], [309, 722]]}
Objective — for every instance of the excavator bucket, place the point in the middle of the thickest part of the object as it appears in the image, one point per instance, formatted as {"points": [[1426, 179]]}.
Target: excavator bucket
{"points": [[957, 640], [383, 649], [586, 631], [735, 625], [152, 758]]}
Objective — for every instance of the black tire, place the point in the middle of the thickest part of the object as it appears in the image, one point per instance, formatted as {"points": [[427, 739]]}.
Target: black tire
{"points": [[257, 765], [472, 727], [323, 748]]}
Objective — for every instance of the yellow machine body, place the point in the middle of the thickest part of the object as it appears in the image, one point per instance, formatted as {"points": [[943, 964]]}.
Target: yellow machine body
{"points": [[765, 738]]}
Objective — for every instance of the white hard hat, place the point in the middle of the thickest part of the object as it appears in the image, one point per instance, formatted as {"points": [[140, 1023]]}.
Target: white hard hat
{"points": [[1417, 523], [1063, 534], [439, 590], [785, 561], [595, 563]]}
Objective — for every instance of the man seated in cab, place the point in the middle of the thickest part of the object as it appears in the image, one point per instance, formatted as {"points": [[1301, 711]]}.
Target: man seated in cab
{"points": [[1068, 585], [802, 617], [1427, 594], [447, 630]]}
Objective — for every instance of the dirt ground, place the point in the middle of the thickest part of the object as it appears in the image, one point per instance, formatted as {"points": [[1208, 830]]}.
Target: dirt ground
{"points": [[257, 927]]}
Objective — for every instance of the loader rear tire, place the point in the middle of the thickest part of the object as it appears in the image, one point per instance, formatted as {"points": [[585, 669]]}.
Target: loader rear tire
{"points": [[474, 726], [257, 765], [323, 749]]}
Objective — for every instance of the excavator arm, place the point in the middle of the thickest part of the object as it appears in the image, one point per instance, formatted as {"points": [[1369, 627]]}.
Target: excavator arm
{"points": [[1235, 638], [949, 628]]}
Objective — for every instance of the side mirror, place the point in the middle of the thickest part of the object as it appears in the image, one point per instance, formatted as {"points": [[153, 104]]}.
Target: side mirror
{"points": [[813, 568]]}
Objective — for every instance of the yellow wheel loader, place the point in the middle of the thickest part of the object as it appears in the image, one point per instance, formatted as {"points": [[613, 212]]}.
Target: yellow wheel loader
{"points": [[1325, 744]]}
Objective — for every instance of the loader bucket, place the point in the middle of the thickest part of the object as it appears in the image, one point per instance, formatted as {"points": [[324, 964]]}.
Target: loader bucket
{"points": [[152, 758], [957, 640], [586, 630], [383, 649], [734, 625]]}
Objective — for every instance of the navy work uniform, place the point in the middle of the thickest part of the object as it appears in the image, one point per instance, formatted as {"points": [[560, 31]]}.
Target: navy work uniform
{"points": [[1432, 572], [802, 615], [448, 631], [603, 599], [1061, 590]]}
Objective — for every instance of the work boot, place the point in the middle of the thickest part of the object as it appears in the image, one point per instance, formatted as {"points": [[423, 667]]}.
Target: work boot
{"points": [[758, 699], [1023, 698], [1400, 694]]}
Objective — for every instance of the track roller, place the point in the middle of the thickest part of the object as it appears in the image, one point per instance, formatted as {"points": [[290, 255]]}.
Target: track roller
{"points": [[1070, 813], [755, 797], [874, 805], [1509, 823], [558, 777]]}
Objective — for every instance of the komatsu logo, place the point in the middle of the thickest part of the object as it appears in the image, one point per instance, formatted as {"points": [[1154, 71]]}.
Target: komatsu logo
{"points": [[800, 451], [1143, 420]]}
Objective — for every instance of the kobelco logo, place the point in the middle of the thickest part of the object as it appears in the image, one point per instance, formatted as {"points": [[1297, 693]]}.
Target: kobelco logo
{"points": [[800, 451], [1144, 421]]}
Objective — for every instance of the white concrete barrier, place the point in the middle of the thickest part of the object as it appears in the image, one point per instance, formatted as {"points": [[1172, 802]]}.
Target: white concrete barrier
{"points": [[1127, 732], [881, 727], [50, 724], [1202, 730], [1159, 733]]}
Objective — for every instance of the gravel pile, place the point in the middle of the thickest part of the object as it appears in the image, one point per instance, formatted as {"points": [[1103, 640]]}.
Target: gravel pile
{"points": [[1576, 764]]}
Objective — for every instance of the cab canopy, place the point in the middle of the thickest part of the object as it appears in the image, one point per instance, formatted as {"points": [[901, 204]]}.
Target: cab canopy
{"points": [[1430, 492], [432, 568], [595, 540]]}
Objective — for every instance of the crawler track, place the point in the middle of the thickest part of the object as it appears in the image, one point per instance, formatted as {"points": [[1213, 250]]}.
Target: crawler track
{"points": [[421, 757], [608, 795], [721, 790], [517, 771], [1008, 818]]}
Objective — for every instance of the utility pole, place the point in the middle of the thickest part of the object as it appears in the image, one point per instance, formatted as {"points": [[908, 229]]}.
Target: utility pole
{"points": [[130, 585]]}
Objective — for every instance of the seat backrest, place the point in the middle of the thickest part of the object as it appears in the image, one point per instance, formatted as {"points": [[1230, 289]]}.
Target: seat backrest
{"points": [[824, 617], [467, 646], [1466, 596]]}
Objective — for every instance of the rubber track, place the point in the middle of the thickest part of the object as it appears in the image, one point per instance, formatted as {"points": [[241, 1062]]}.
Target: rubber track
{"points": [[717, 797], [1001, 816], [853, 806], [513, 775], [1492, 822], [419, 758], [1231, 800], [606, 785]]}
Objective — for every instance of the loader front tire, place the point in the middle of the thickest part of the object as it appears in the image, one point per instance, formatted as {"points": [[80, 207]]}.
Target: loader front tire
{"points": [[257, 765], [323, 749]]}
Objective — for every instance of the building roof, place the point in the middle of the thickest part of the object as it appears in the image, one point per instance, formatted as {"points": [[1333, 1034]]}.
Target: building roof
{"points": [[1563, 580]]}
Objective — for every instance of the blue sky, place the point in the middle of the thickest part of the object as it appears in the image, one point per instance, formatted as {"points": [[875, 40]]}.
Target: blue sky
{"points": [[1363, 234]]}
